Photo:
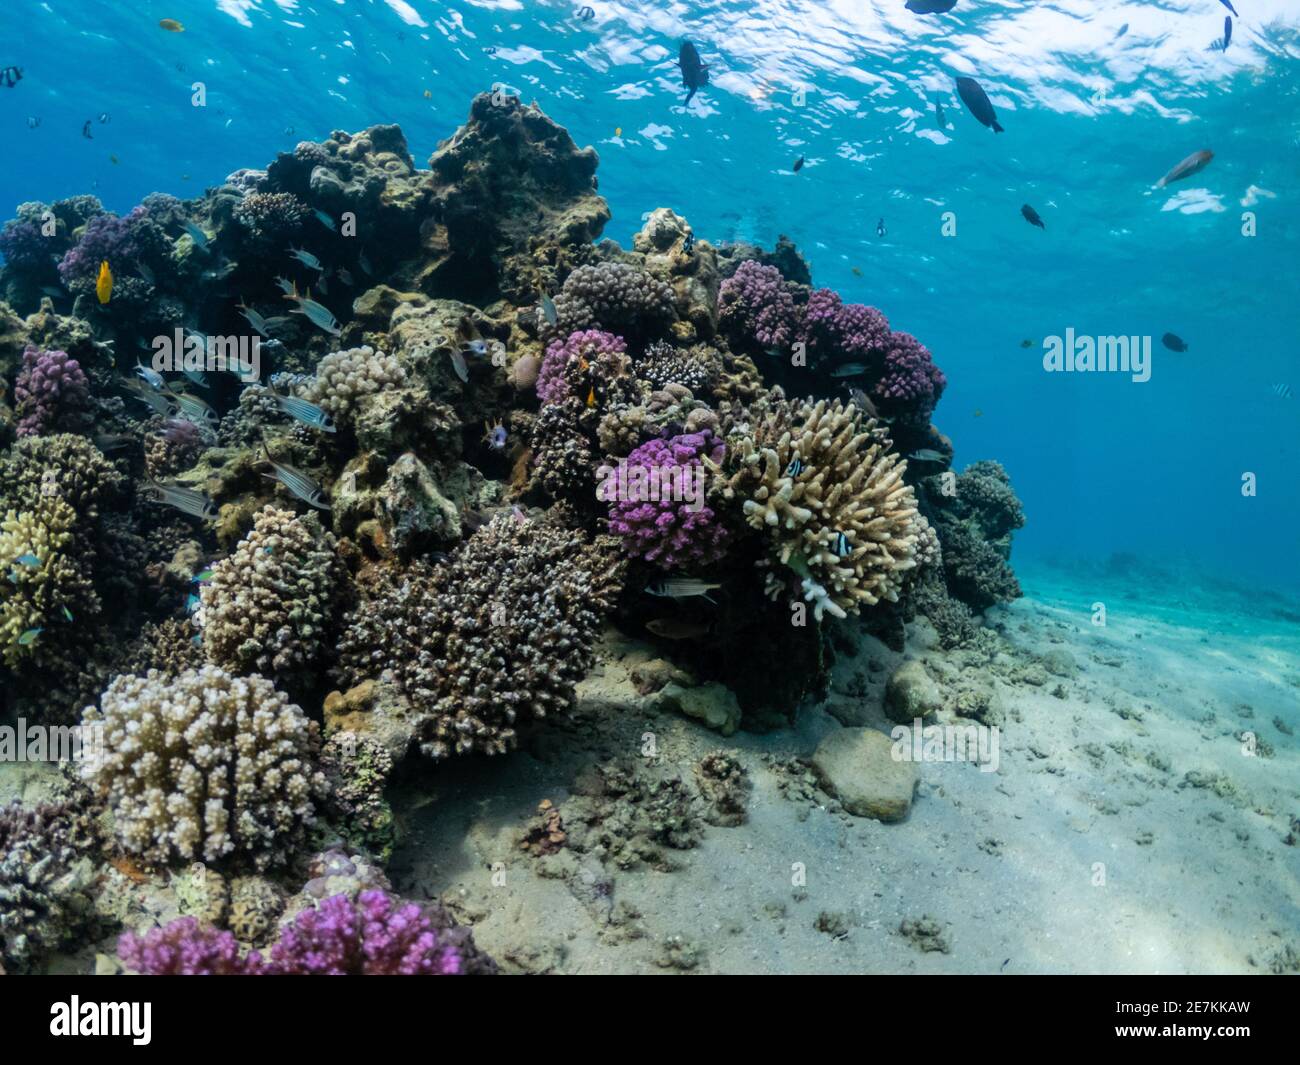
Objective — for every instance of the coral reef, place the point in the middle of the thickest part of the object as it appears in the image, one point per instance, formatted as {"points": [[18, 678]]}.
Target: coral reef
{"points": [[52, 393]]}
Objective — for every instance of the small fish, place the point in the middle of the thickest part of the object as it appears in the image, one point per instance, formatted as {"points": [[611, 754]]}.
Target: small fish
{"points": [[171, 25], [977, 101], [29, 560], [495, 436], [306, 258], [67, 614], [585, 14], [688, 245], [857, 271], [1026, 343], [52, 292], [849, 369], [695, 73], [1221, 45], [105, 118], [104, 283], [470, 339], [364, 263], [676, 628], [930, 7], [85, 131], [113, 159], [187, 500], [795, 468], [202, 578], [33, 122], [1122, 30], [325, 220], [863, 402], [681, 588], [318, 315], [1282, 391], [1174, 342], [297, 482], [1193, 164], [11, 76], [344, 276], [880, 228], [192, 407], [323, 284], [29, 637], [979, 413], [840, 545], [1032, 217], [798, 165], [197, 376], [197, 235], [289, 288], [156, 399], [927, 454], [548, 310], [255, 320], [307, 413], [197, 639], [192, 603], [939, 120], [458, 363], [591, 398], [618, 131]]}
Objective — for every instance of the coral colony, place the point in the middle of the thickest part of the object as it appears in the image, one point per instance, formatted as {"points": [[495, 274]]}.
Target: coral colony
{"points": [[477, 440]]}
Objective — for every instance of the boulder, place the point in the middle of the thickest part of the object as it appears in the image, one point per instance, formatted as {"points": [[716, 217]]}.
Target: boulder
{"points": [[857, 766]]}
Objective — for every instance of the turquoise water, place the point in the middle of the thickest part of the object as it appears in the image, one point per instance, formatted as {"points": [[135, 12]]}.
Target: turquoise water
{"points": [[1093, 118]]}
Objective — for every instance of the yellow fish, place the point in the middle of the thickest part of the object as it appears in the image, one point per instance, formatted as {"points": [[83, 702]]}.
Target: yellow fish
{"points": [[171, 25], [979, 414], [104, 283], [428, 95], [618, 131], [591, 398]]}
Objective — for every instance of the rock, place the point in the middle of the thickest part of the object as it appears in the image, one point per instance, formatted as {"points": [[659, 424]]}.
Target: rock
{"points": [[911, 693], [412, 509], [713, 704], [650, 677], [856, 765]]}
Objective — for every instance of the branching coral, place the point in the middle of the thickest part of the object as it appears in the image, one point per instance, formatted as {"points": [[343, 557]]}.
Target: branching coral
{"points": [[269, 605], [497, 636], [831, 499], [51, 390], [206, 766], [657, 505], [344, 378], [45, 879]]}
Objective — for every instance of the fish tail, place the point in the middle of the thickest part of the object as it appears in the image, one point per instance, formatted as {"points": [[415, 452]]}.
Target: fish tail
{"points": [[997, 128]]}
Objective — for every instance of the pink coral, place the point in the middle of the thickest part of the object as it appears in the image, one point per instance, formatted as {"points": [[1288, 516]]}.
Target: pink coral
{"points": [[603, 354], [51, 388], [910, 378], [186, 948], [756, 307]]}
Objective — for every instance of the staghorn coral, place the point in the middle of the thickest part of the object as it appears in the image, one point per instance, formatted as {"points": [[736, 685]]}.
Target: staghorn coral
{"points": [[45, 879], [808, 474], [269, 605], [344, 378], [497, 636], [649, 505], [205, 765]]}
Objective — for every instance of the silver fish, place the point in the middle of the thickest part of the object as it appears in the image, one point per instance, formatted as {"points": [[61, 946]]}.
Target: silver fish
{"points": [[324, 219], [458, 363], [1193, 164], [928, 454], [318, 315], [150, 376], [306, 258], [345, 276], [187, 500], [197, 376], [297, 482], [192, 407], [307, 413], [255, 320], [157, 400], [287, 287], [681, 588], [849, 369], [197, 235]]}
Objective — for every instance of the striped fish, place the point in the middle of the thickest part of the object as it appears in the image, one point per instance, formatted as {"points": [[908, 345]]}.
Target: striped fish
{"points": [[297, 482], [255, 320], [307, 413], [192, 407], [841, 546], [306, 258], [318, 315], [187, 500], [158, 401]]}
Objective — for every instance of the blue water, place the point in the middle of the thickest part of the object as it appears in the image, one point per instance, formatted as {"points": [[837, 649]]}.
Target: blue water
{"points": [[1093, 118]]}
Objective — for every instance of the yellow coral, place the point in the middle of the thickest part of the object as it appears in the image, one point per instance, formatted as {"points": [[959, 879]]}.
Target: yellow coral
{"points": [[32, 594]]}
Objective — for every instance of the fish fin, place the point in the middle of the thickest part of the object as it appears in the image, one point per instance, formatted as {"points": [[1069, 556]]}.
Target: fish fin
{"points": [[997, 128]]}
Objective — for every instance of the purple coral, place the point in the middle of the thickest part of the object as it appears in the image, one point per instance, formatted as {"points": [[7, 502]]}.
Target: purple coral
{"points": [[649, 507], [373, 935], [910, 378], [186, 948], [756, 307], [24, 247], [122, 241], [590, 345], [849, 331], [51, 388]]}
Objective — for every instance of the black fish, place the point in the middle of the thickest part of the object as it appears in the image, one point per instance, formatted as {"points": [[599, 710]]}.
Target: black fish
{"points": [[85, 131], [11, 76], [880, 228], [695, 75], [977, 102], [1031, 216], [798, 164], [1227, 31], [1173, 343], [1228, 5], [586, 14], [688, 245], [930, 7]]}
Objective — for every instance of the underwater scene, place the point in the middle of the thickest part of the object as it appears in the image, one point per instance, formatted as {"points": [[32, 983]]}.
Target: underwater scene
{"points": [[708, 487]]}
